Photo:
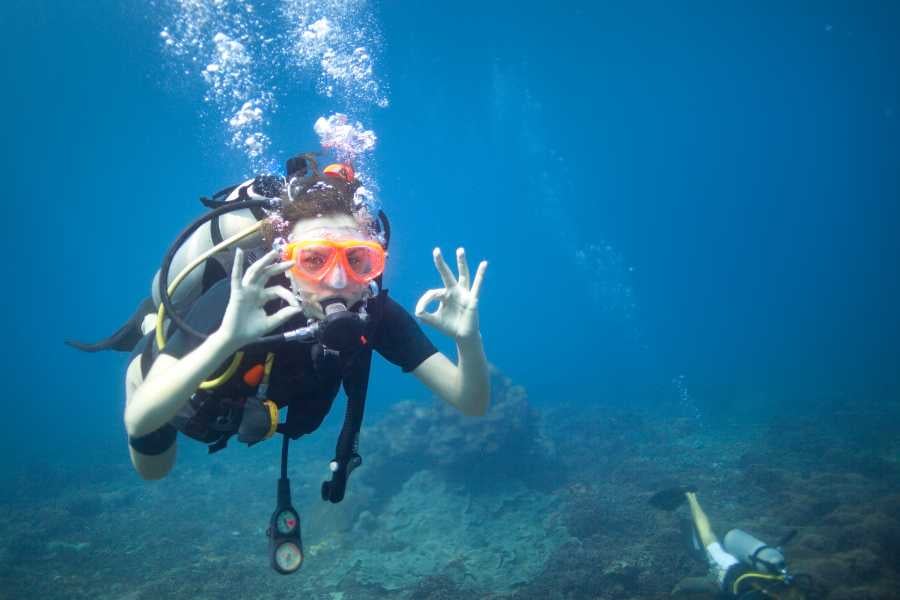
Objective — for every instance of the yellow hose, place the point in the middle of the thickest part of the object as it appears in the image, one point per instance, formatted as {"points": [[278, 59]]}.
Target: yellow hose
{"points": [[229, 372], [754, 575]]}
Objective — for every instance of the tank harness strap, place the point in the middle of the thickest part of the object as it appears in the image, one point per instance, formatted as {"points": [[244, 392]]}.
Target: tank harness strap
{"points": [[755, 560], [215, 231], [213, 272], [224, 196]]}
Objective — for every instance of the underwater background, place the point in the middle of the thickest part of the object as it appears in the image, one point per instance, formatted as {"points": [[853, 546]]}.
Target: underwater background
{"points": [[691, 214]]}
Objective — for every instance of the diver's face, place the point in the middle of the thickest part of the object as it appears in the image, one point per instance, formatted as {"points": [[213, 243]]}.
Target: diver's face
{"points": [[335, 283]]}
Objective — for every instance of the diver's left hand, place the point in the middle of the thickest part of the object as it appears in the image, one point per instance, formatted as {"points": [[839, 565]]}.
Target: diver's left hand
{"points": [[457, 312]]}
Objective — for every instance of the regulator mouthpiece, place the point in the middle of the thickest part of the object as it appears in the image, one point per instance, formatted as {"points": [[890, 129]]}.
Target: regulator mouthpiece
{"points": [[342, 329], [334, 306]]}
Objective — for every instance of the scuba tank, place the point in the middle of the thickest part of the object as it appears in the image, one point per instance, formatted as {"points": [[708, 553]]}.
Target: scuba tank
{"points": [[237, 208], [754, 552], [213, 232], [768, 575]]}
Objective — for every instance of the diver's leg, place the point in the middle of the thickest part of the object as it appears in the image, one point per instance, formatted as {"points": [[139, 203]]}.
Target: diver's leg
{"points": [[719, 560], [701, 521]]}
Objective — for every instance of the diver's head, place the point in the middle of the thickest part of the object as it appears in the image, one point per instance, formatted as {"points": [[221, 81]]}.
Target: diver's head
{"points": [[333, 259], [335, 254]]}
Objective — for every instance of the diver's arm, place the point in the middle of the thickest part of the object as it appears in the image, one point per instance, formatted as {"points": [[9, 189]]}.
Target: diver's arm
{"points": [[467, 384], [718, 558], [171, 381], [149, 466]]}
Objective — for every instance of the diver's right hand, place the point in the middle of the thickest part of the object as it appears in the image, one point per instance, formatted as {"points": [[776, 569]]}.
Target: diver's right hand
{"points": [[245, 320]]}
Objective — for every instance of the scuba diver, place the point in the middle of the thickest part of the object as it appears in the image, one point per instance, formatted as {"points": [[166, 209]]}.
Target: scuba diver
{"points": [[741, 566], [216, 355]]}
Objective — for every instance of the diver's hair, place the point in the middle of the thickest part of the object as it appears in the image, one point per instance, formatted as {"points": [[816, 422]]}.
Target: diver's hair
{"points": [[311, 196]]}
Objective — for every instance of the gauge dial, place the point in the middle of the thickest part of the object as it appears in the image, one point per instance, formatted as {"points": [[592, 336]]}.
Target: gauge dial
{"points": [[286, 522], [288, 557]]}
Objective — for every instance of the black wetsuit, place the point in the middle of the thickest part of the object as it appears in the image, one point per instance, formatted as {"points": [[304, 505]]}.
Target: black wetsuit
{"points": [[302, 379]]}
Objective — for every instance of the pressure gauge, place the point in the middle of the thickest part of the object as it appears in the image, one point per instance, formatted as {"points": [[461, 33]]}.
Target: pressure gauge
{"points": [[286, 522], [288, 557]]}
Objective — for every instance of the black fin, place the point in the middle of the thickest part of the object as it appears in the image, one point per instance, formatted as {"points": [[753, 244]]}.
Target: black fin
{"points": [[127, 336], [671, 498]]}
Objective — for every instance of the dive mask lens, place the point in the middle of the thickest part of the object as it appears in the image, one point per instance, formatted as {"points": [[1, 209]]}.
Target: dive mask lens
{"points": [[364, 263], [314, 261]]}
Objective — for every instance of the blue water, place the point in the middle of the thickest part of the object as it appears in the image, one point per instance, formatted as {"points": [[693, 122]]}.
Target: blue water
{"points": [[678, 200]]}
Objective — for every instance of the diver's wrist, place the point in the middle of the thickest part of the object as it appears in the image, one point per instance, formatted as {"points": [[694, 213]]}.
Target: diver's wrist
{"points": [[224, 342], [470, 340]]}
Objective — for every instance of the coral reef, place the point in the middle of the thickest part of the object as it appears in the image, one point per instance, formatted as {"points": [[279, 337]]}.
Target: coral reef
{"points": [[505, 444], [516, 505]]}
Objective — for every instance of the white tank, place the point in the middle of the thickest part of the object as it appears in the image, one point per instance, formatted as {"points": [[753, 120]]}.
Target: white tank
{"points": [[753, 551], [201, 241]]}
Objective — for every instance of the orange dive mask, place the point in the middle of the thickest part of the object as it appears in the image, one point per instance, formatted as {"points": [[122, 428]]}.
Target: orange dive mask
{"points": [[362, 260]]}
